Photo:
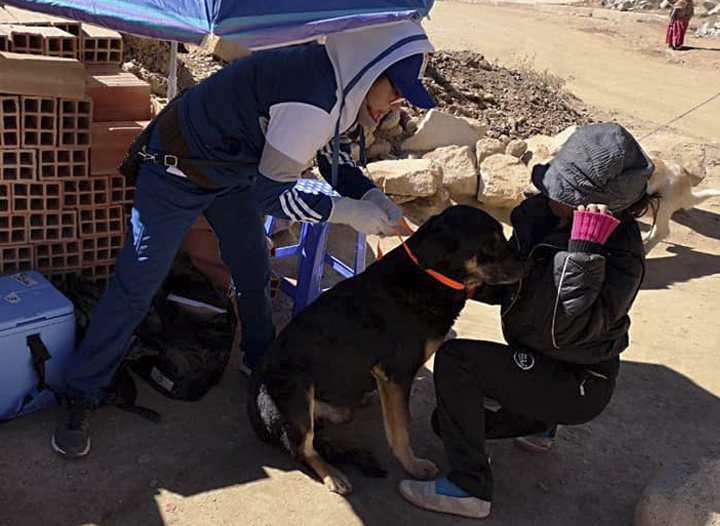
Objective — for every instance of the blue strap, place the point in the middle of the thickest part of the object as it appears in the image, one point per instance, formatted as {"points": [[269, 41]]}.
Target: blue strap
{"points": [[363, 156], [336, 152]]}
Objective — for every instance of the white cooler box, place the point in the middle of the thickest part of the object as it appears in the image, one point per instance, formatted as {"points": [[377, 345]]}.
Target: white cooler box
{"points": [[37, 335]]}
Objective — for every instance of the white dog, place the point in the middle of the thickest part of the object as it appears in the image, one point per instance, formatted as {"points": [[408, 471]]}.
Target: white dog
{"points": [[676, 188]]}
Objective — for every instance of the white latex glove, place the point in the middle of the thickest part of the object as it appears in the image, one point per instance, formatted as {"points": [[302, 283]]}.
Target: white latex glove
{"points": [[363, 216], [378, 197]]}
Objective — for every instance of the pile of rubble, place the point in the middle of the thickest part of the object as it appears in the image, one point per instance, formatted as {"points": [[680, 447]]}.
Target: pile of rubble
{"points": [[149, 59], [704, 9], [513, 103], [636, 5], [710, 9], [454, 158]]}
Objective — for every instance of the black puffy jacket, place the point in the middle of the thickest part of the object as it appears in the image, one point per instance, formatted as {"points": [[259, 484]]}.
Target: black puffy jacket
{"points": [[572, 306]]}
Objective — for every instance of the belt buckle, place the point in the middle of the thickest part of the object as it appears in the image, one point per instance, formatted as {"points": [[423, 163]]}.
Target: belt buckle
{"points": [[170, 161]]}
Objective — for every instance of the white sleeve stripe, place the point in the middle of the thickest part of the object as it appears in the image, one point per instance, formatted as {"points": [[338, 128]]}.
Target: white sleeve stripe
{"points": [[286, 209], [301, 202], [294, 206], [348, 159], [343, 157]]}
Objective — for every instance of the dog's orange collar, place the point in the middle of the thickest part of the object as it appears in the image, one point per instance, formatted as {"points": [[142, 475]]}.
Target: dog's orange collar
{"points": [[456, 285]]}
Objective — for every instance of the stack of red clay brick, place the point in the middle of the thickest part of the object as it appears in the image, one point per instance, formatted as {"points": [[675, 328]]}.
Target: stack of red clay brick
{"points": [[67, 114]]}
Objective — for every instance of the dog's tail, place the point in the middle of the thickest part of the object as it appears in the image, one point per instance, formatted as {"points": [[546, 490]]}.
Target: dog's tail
{"points": [[363, 460], [698, 196]]}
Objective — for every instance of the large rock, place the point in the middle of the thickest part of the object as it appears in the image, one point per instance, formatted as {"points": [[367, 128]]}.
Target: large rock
{"points": [[407, 177], [503, 179], [685, 495], [460, 175], [442, 129], [484, 148]]}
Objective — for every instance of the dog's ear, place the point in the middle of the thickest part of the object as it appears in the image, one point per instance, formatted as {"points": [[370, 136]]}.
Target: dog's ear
{"points": [[448, 242]]}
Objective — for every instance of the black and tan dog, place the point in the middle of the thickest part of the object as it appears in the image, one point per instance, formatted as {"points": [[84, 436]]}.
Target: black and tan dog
{"points": [[377, 328]]}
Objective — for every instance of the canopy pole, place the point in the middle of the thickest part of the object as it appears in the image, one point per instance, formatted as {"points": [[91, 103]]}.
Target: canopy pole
{"points": [[172, 77]]}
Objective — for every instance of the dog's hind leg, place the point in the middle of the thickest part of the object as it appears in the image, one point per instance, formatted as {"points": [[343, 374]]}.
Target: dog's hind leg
{"points": [[332, 413], [334, 479], [660, 229], [284, 416], [396, 416]]}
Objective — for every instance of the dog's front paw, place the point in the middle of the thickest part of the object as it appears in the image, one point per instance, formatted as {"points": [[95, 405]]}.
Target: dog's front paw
{"points": [[338, 482], [422, 469]]}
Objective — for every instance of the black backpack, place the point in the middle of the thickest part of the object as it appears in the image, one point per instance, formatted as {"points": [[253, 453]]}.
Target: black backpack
{"points": [[178, 352], [179, 355]]}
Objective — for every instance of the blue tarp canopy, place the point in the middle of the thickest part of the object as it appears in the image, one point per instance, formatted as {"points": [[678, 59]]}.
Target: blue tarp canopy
{"points": [[252, 23]]}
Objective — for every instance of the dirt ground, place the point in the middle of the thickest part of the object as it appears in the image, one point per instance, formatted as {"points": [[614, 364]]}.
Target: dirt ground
{"points": [[203, 465]]}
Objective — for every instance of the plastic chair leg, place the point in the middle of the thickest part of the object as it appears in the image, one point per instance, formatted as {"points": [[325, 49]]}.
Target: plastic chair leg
{"points": [[310, 268]]}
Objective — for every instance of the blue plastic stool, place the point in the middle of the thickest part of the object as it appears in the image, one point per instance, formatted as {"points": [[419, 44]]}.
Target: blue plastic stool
{"points": [[311, 252]]}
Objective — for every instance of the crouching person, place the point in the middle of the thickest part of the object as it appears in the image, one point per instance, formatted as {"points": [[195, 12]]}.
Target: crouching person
{"points": [[565, 323]]}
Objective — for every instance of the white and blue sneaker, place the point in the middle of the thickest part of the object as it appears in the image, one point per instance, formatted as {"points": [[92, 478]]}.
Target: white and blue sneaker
{"points": [[443, 496], [540, 442]]}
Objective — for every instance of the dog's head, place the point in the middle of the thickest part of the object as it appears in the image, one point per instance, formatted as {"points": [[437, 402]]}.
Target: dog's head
{"points": [[467, 245]]}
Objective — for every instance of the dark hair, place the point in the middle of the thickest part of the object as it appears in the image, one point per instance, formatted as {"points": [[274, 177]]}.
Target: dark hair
{"points": [[640, 207]]}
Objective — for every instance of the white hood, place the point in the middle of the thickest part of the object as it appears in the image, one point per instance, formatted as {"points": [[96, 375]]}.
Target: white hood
{"points": [[351, 51]]}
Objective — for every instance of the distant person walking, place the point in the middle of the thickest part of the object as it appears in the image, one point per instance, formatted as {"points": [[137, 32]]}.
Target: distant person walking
{"points": [[682, 12]]}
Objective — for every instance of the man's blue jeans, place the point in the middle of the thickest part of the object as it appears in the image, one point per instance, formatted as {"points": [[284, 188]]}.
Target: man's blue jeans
{"points": [[164, 209]]}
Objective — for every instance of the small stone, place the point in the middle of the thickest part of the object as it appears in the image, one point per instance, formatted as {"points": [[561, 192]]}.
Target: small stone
{"points": [[411, 126], [394, 132], [543, 487], [154, 483], [369, 137], [516, 148], [390, 120], [378, 149], [355, 151]]}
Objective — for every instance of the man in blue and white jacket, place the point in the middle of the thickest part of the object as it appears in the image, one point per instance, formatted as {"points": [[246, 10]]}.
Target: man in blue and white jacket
{"points": [[267, 117]]}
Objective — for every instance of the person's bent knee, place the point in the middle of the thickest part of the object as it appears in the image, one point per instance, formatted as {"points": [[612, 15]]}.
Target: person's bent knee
{"points": [[451, 354]]}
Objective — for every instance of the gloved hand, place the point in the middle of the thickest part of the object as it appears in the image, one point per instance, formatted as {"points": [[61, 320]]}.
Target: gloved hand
{"points": [[378, 197], [363, 216], [591, 228]]}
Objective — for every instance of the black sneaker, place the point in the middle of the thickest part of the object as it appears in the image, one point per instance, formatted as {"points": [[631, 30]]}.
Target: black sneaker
{"points": [[72, 434]]}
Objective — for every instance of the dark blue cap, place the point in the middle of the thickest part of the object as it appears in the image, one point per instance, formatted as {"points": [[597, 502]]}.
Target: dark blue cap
{"points": [[406, 75]]}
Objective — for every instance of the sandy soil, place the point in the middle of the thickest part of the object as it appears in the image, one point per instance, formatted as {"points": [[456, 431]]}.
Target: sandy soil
{"points": [[203, 465]]}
